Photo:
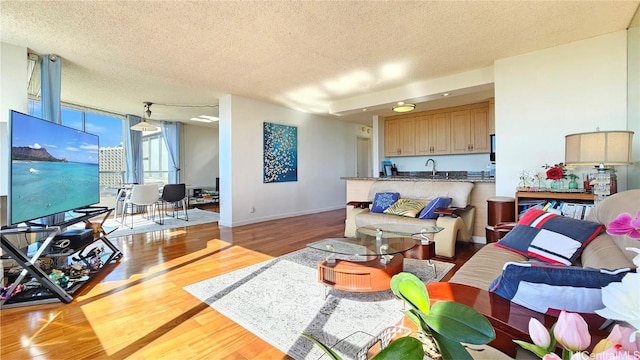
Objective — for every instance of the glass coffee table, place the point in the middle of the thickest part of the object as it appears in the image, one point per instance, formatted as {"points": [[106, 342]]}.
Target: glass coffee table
{"points": [[367, 262]]}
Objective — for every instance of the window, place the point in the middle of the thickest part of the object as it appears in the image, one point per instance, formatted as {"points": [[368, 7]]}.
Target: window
{"points": [[109, 128], [155, 159]]}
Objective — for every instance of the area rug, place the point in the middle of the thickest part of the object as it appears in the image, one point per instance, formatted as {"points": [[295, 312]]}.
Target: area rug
{"points": [[143, 225], [280, 299]]}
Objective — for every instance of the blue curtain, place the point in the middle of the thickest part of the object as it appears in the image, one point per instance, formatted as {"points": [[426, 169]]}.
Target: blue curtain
{"points": [[133, 149], [171, 135], [50, 78], [50, 72]]}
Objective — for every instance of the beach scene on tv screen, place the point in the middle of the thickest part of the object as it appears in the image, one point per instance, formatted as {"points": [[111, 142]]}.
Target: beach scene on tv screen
{"points": [[53, 169]]}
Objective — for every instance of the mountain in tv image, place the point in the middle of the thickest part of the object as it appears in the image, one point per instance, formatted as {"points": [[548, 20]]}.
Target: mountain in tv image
{"points": [[28, 153]]}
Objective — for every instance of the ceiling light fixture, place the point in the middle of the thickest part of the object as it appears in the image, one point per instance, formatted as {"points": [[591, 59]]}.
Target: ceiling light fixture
{"points": [[144, 125], [445, 94], [402, 107]]}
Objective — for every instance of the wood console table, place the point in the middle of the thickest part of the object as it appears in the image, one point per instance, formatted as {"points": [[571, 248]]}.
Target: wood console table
{"points": [[509, 320], [548, 195]]}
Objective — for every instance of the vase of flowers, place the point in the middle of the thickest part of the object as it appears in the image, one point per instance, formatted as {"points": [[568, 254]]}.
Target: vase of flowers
{"points": [[556, 174], [573, 183]]}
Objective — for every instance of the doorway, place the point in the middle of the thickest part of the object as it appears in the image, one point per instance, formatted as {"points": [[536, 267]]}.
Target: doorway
{"points": [[363, 157]]}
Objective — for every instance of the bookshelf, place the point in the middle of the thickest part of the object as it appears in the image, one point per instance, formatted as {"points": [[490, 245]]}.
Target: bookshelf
{"points": [[527, 197]]}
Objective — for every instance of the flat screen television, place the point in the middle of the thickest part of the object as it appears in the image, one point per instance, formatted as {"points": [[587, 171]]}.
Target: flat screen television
{"points": [[54, 169]]}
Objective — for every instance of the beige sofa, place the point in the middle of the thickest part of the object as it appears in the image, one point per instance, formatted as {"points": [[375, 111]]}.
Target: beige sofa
{"points": [[459, 227], [604, 252]]}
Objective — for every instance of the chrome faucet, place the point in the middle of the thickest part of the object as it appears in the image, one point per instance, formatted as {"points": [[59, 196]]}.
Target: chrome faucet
{"points": [[433, 170]]}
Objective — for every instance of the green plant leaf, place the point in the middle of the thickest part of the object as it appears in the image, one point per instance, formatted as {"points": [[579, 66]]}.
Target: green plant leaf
{"points": [[450, 349], [332, 354], [459, 322], [537, 350], [405, 348], [412, 290]]}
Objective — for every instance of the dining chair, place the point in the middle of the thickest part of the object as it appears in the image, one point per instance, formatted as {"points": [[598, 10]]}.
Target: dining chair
{"points": [[145, 196], [175, 195]]}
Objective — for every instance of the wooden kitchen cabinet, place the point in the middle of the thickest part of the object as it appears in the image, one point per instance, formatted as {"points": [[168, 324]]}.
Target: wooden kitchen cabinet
{"points": [[433, 134], [456, 130], [399, 137], [470, 131]]}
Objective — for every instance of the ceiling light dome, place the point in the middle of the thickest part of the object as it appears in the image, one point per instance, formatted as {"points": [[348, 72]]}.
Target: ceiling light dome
{"points": [[402, 107]]}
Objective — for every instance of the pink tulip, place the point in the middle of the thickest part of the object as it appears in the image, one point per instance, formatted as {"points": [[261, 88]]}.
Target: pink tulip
{"points": [[551, 356], [572, 331], [539, 334]]}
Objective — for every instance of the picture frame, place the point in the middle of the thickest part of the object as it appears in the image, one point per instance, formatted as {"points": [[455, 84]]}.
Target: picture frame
{"points": [[388, 170]]}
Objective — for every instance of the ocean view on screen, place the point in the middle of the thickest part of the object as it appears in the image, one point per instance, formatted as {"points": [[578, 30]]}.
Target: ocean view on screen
{"points": [[54, 168], [45, 188]]}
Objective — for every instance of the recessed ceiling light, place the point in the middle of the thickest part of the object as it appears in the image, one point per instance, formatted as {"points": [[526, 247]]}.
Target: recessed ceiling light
{"points": [[445, 94], [364, 109], [205, 118]]}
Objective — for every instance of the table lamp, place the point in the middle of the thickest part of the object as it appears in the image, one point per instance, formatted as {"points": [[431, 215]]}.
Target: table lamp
{"points": [[602, 148]]}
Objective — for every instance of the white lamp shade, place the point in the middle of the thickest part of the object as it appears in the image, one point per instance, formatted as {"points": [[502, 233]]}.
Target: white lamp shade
{"points": [[601, 147], [143, 126]]}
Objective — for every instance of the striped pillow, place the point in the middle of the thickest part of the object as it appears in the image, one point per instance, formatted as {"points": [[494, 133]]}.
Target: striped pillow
{"points": [[550, 237], [406, 207], [547, 288]]}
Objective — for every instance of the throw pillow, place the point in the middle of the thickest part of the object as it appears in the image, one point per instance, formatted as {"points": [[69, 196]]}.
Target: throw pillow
{"points": [[548, 288], [405, 207], [381, 201], [550, 237], [428, 211]]}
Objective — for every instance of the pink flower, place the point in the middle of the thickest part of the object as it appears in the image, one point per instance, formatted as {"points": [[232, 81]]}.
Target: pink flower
{"points": [[623, 224], [572, 331], [623, 335], [551, 356], [539, 334]]}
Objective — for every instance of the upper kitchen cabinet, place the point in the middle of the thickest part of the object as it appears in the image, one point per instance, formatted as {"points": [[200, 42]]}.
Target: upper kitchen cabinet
{"points": [[433, 134], [470, 130], [399, 137], [455, 130]]}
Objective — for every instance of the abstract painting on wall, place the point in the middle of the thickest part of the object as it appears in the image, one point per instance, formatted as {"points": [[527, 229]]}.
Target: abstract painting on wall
{"points": [[280, 149]]}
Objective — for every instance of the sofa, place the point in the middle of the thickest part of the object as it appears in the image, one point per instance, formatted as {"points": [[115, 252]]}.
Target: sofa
{"points": [[457, 226], [603, 252]]}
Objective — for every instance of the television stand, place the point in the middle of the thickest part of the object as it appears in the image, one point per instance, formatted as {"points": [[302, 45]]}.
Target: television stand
{"points": [[48, 269]]}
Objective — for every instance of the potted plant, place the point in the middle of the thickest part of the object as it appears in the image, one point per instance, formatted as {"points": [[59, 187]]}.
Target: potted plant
{"points": [[442, 327]]}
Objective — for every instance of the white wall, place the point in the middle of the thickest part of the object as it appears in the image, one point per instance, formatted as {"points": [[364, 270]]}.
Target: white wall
{"points": [[633, 109], [544, 95], [13, 77], [199, 156], [326, 152]]}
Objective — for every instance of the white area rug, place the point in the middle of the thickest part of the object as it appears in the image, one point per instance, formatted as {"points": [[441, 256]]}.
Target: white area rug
{"points": [[280, 299], [142, 225]]}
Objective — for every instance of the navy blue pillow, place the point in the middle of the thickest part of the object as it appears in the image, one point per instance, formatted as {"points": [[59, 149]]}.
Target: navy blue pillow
{"points": [[428, 211], [550, 237], [383, 200], [548, 288]]}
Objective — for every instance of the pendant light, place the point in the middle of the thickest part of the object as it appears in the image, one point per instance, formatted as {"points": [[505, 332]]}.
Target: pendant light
{"points": [[144, 125]]}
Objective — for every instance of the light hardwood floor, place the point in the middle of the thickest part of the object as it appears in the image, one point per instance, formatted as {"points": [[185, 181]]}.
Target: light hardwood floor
{"points": [[137, 308]]}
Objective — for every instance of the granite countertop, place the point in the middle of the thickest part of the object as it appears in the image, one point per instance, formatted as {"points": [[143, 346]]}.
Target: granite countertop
{"points": [[441, 176]]}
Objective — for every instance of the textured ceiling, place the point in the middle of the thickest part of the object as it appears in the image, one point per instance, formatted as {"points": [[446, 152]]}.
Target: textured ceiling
{"points": [[303, 55]]}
